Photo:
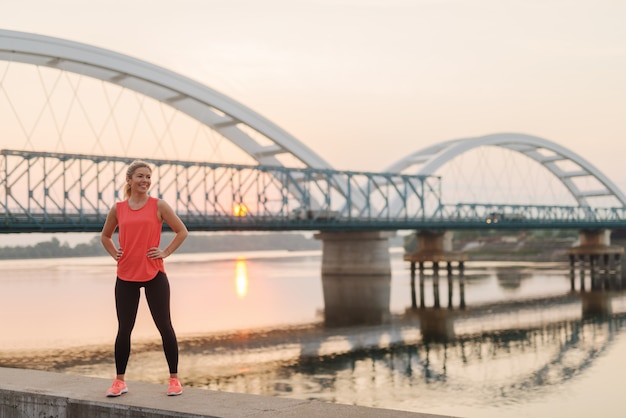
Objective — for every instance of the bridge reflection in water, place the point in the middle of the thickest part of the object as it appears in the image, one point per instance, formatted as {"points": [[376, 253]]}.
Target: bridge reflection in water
{"points": [[499, 352], [489, 353], [594, 294]]}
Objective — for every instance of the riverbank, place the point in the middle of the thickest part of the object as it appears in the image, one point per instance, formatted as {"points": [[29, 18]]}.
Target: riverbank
{"points": [[510, 248], [32, 393]]}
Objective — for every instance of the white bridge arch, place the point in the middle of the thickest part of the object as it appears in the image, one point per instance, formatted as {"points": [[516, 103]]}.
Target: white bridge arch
{"points": [[428, 160], [209, 107]]}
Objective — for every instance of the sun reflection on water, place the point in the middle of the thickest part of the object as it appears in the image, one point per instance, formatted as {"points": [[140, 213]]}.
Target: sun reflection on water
{"points": [[241, 277]]}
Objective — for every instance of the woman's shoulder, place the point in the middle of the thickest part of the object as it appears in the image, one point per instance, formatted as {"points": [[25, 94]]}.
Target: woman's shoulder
{"points": [[160, 204], [163, 206]]}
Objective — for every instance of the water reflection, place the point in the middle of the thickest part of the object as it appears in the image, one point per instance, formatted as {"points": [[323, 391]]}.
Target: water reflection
{"points": [[356, 300], [516, 361], [436, 293], [557, 342], [241, 277], [391, 366], [437, 322], [511, 278], [507, 347]]}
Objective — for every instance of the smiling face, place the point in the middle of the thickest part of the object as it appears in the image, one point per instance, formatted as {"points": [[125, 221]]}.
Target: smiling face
{"points": [[140, 180]]}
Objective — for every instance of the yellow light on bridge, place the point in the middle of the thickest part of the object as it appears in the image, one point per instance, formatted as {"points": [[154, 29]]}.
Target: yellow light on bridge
{"points": [[239, 209]]}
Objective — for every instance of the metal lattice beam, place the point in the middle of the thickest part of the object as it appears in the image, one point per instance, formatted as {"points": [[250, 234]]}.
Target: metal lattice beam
{"points": [[42, 191], [54, 192]]}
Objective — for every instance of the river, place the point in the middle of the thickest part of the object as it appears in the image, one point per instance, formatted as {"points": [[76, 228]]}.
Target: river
{"points": [[254, 323]]}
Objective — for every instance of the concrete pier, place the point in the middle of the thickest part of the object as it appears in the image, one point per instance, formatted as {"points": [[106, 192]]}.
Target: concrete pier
{"points": [[32, 393], [356, 253], [595, 254], [435, 288], [356, 277], [435, 247]]}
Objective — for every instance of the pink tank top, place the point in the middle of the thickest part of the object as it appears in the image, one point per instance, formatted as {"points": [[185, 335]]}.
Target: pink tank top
{"points": [[139, 230]]}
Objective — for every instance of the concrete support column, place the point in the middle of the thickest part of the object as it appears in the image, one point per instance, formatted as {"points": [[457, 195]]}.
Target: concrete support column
{"points": [[582, 272], [604, 259], [436, 285], [619, 238], [462, 285], [356, 253], [356, 277], [594, 237], [572, 272], [434, 241], [435, 247]]}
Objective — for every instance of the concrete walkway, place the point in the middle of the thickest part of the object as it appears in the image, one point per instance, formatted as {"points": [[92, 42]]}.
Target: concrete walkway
{"points": [[33, 393]]}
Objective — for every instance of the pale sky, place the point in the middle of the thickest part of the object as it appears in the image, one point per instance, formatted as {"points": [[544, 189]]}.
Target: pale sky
{"points": [[366, 82]]}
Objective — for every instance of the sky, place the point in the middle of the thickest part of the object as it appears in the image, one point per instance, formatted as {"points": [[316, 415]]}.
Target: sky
{"points": [[366, 82]]}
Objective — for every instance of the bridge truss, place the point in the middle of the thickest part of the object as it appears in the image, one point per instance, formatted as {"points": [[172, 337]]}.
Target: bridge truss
{"points": [[54, 192]]}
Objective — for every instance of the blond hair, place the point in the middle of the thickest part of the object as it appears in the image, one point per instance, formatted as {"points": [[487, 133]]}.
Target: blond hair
{"points": [[129, 174]]}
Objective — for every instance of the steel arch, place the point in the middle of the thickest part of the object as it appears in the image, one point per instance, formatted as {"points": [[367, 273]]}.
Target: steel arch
{"points": [[202, 103], [431, 158]]}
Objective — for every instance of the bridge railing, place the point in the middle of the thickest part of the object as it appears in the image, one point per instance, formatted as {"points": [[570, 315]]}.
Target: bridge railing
{"points": [[501, 216], [42, 191]]}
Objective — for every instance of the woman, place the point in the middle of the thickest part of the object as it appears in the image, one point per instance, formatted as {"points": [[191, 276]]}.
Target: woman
{"points": [[140, 264]]}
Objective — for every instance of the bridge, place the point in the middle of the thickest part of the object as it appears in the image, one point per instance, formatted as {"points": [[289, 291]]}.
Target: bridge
{"points": [[225, 167], [54, 192], [284, 186]]}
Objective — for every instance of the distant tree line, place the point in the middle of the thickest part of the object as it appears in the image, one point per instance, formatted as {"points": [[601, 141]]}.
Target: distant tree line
{"points": [[529, 236], [203, 243], [194, 244], [52, 249]]}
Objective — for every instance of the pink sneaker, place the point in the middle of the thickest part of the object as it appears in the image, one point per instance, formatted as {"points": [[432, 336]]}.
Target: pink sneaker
{"points": [[118, 388], [175, 387]]}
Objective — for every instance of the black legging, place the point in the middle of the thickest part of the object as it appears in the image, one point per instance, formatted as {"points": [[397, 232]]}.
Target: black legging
{"points": [[127, 302]]}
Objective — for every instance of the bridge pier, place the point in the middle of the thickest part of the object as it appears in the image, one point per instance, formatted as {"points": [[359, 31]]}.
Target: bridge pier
{"points": [[436, 293], [436, 321], [356, 277], [436, 247], [618, 237], [596, 255]]}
